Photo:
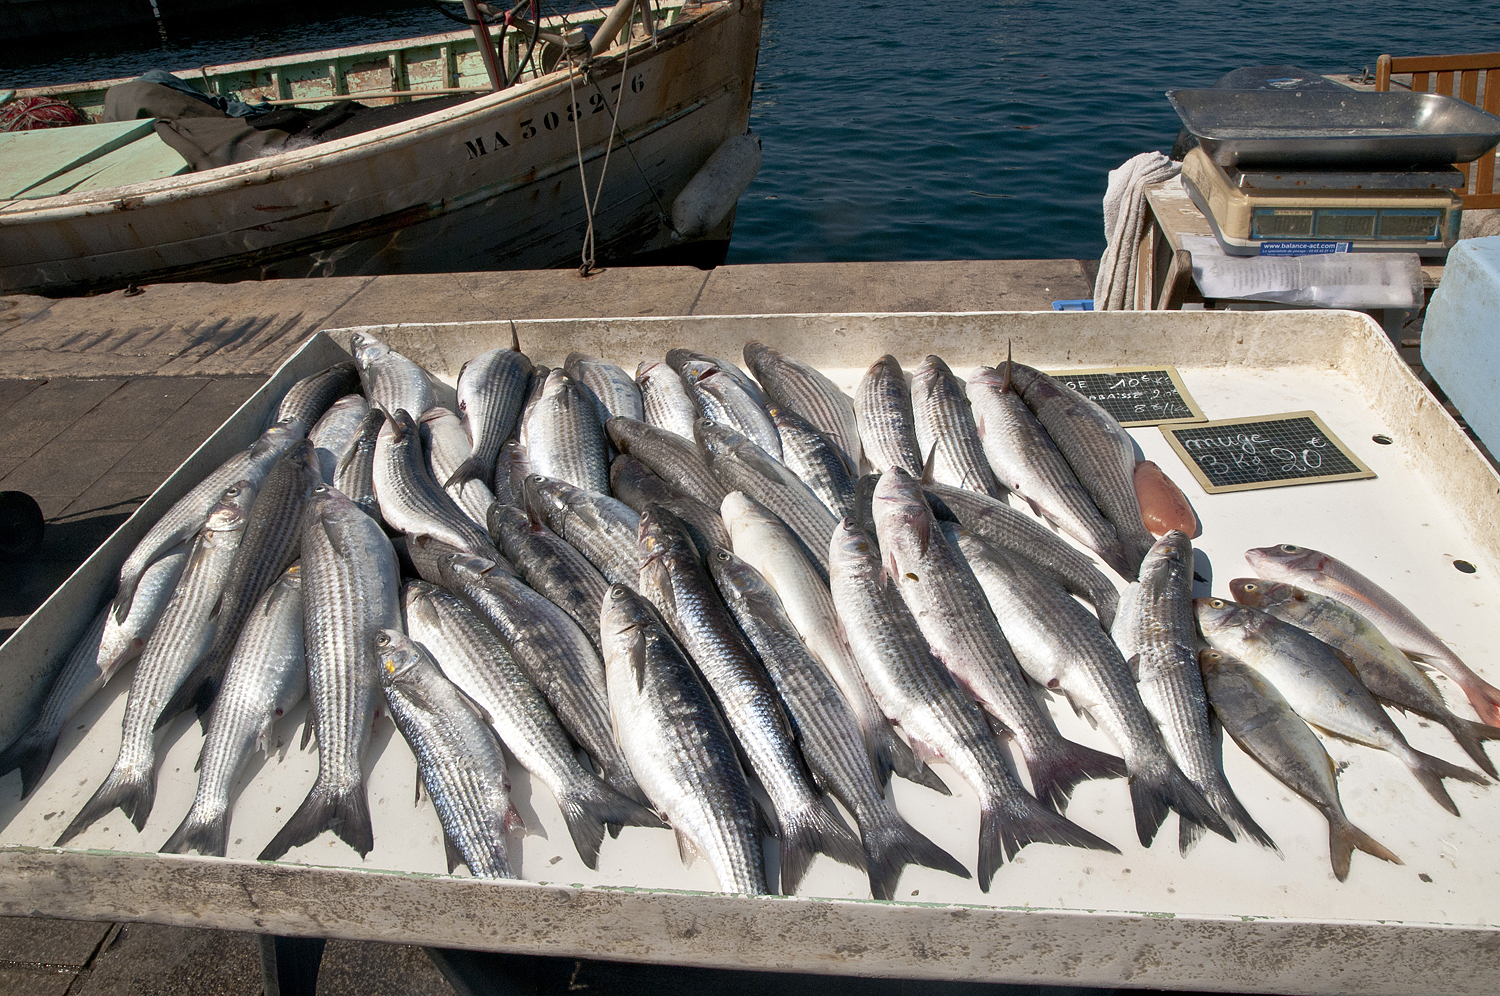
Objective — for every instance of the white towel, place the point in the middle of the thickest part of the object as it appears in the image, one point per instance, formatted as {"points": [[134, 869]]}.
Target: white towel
{"points": [[1124, 213]]}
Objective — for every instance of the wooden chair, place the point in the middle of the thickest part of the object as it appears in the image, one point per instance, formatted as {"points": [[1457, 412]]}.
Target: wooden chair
{"points": [[1456, 76]]}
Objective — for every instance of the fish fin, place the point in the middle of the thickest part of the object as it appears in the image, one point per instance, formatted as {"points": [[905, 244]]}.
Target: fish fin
{"points": [[1000, 830], [1057, 770], [1135, 666], [1188, 835], [1227, 804], [515, 337], [197, 691], [469, 470], [345, 811], [928, 467], [32, 753], [814, 829], [209, 837], [924, 751], [1332, 584], [638, 663], [1470, 736], [1344, 837], [594, 804], [1483, 696], [1430, 771], [513, 822], [1345, 660], [1156, 790], [891, 846], [417, 793], [452, 853], [687, 851], [309, 725], [132, 791], [1005, 385]]}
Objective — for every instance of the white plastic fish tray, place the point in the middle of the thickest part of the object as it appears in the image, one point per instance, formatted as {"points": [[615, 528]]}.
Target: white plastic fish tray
{"points": [[1229, 917]]}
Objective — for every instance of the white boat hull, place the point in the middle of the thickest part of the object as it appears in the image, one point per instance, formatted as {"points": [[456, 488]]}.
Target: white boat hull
{"points": [[490, 184]]}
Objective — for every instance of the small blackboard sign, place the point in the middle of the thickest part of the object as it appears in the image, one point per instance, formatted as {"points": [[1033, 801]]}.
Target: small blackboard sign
{"points": [[1136, 395], [1266, 451]]}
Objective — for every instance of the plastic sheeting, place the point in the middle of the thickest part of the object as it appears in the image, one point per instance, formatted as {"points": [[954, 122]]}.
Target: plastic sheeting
{"points": [[1357, 280]]}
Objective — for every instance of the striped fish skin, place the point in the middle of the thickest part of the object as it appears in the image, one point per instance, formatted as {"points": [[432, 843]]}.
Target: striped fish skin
{"points": [[665, 399], [1027, 461], [1098, 449], [551, 565], [688, 363], [946, 431], [1259, 719], [336, 432], [564, 438], [355, 476], [635, 484], [106, 647], [181, 636], [1320, 687], [511, 468], [797, 386], [447, 446], [670, 457], [677, 743], [674, 580], [720, 398], [183, 520], [271, 540], [615, 390], [491, 390], [601, 528], [741, 465], [266, 677], [887, 425], [350, 591], [410, 500], [917, 691], [467, 650], [827, 730], [1383, 669], [766, 544], [1158, 636], [306, 401], [458, 755], [817, 459], [1058, 645], [1326, 575], [554, 653], [1002, 526], [391, 381]]}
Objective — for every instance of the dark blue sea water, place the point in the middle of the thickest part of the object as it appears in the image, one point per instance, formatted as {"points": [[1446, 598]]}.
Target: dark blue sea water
{"points": [[969, 129]]}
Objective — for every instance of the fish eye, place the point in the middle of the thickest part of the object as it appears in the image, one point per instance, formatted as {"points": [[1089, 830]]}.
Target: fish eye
{"points": [[1289, 548], [1217, 603], [382, 641], [722, 555], [1249, 587], [617, 592]]}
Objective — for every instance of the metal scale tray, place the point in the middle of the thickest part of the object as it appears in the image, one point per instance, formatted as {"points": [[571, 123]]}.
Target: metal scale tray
{"points": [[1326, 130]]}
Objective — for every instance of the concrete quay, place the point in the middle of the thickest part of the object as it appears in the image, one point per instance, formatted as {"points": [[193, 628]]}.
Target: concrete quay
{"points": [[102, 397]]}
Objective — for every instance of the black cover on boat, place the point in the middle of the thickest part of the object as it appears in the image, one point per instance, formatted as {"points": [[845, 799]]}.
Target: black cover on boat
{"points": [[203, 135]]}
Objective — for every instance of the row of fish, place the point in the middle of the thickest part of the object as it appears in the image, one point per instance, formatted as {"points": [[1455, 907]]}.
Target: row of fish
{"points": [[685, 575]]}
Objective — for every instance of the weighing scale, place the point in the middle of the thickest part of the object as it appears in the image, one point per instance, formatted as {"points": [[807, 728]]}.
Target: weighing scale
{"points": [[1258, 211], [1280, 172]]}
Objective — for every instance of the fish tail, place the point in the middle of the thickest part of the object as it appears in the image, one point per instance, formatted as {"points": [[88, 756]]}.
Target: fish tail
{"points": [[1188, 835], [345, 811], [470, 470], [1065, 764], [1344, 837], [1469, 734], [588, 809], [892, 844], [1163, 787], [1227, 804], [132, 790], [1483, 696], [617, 775], [814, 829], [890, 753], [1430, 772], [1025, 821], [206, 835], [31, 752]]}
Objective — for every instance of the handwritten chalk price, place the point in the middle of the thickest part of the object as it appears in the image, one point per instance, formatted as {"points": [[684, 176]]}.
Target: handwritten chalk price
{"points": [[1268, 451], [1136, 395]]}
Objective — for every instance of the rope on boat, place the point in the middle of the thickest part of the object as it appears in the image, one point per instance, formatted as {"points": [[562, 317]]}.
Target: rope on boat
{"points": [[589, 206]]}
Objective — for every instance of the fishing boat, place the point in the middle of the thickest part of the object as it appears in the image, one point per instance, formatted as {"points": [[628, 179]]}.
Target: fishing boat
{"points": [[564, 139]]}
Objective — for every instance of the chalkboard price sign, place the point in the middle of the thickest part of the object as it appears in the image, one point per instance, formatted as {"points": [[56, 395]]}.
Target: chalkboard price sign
{"points": [[1268, 451], [1136, 395]]}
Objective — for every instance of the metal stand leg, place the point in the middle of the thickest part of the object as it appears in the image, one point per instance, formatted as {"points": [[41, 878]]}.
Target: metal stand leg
{"points": [[289, 965]]}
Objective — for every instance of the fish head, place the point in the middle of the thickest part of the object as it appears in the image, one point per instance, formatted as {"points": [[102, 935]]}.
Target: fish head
{"points": [[885, 368], [1217, 615], [509, 521], [735, 578], [930, 373], [367, 350], [662, 534], [232, 510], [400, 658], [1262, 594], [1285, 560], [714, 438], [1173, 549], [898, 504], [458, 568]]}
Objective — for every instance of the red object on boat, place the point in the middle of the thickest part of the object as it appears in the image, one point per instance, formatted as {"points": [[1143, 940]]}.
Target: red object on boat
{"points": [[31, 113]]}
